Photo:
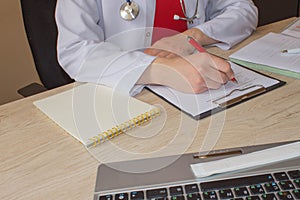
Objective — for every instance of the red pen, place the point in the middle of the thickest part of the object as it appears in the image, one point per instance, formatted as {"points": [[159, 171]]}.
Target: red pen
{"points": [[197, 46]]}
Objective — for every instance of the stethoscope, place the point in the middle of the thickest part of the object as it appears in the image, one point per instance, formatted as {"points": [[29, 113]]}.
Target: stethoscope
{"points": [[190, 20], [130, 10]]}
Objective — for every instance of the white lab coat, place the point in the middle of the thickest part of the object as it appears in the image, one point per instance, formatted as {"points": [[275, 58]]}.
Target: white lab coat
{"points": [[96, 45]]}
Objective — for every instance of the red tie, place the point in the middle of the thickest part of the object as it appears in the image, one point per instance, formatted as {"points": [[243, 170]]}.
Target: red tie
{"points": [[164, 13]]}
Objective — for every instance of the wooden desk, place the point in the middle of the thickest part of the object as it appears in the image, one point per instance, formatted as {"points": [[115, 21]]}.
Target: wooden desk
{"points": [[40, 161]]}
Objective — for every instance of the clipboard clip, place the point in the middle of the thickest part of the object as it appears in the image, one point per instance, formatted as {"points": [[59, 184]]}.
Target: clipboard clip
{"points": [[253, 93]]}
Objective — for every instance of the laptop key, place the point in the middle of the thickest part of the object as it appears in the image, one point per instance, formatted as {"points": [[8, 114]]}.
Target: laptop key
{"points": [[177, 190], [281, 176], [178, 197], [210, 195], [272, 187], [253, 198], [286, 185], [296, 194], [226, 194], [295, 174], [241, 191], [121, 196], [257, 189], [270, 196], [193, 196], [156, 193], [297, 183], [105, 197], [285, 195], [191, 188], [137, 195]]}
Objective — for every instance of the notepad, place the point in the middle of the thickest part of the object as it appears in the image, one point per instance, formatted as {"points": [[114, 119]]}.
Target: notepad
{"points": [[94, 113], [265, 54], [250, 160], [250, 84]]}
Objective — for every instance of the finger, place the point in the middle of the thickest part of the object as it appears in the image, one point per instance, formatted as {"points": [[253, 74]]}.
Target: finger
{"points": [[164, 54], [152, 51], [210, 67], [200, 89], [211, 84], [197, 83], [171, 55], [159, 53], [201, 83], [215, 75], [208, 70], [222, 66]]}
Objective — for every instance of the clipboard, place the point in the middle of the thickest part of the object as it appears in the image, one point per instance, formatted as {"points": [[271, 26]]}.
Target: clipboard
{"points": [[251, 84]]}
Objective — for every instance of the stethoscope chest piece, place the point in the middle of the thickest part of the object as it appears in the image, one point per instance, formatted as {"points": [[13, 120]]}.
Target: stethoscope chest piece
{"points": [[129, 10]]}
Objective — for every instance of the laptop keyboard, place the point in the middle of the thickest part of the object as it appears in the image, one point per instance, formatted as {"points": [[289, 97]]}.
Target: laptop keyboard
{"points": [[271, 186]]}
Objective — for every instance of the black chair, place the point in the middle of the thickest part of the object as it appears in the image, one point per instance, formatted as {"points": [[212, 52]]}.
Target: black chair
{"points": [[41, 31], [275, 10]]}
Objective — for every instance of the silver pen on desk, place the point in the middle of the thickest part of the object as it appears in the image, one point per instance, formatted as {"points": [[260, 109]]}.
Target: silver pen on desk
{"points": [[291, 51]]}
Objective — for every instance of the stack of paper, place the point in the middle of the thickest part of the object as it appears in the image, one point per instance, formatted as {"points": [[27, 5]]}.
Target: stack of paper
{"points": [[265, 54]]}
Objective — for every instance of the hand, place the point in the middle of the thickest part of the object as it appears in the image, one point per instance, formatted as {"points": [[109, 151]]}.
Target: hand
{"points": [[177, 45], [195, 73], [170, 47]]}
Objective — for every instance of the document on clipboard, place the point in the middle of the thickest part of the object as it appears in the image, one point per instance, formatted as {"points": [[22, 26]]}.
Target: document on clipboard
{"points": [[250, 84]]}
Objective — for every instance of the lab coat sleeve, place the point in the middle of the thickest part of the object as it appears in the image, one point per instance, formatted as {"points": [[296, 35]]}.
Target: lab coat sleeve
{"points": [[84, 54], [229, 21]]}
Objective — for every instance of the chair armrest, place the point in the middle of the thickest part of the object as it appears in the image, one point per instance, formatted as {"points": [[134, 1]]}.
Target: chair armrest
{"points": [[31, 89]]}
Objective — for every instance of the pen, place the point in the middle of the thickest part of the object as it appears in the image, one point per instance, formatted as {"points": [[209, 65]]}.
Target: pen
{"points": [[215, 153], [294, 51], [197, 46]]}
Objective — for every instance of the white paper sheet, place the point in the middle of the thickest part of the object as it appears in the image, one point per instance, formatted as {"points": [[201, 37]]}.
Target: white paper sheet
{"points": [[203, 102], [267, 51], [293, 30], [245, 161]]}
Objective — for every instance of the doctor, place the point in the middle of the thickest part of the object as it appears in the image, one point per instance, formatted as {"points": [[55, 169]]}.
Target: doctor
{"points": [[113, 42]]}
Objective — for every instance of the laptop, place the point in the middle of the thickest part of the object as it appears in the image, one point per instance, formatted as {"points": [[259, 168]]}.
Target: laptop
{"points": [[173, 179]]}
